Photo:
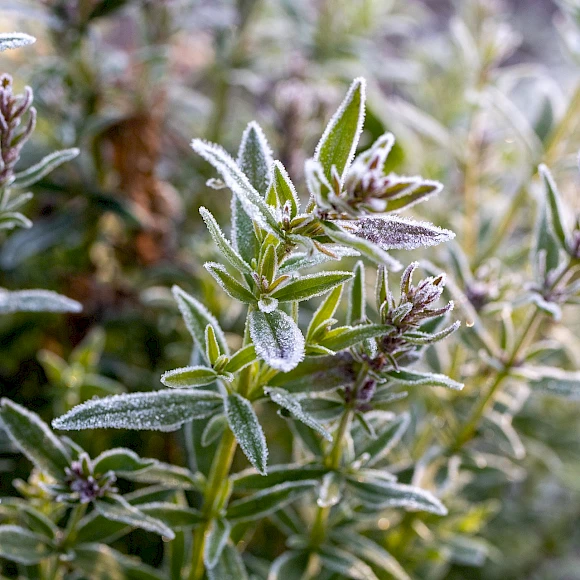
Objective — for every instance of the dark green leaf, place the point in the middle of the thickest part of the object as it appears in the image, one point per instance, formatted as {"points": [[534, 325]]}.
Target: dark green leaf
{"points": [[229, 284], [229, 566], [120, 459], [310, 286], [216, 540], [189, 377], [44, 167], [22, 546]]}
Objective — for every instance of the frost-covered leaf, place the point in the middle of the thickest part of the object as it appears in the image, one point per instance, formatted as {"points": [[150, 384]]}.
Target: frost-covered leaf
{"points": [[268, 500], [245, 426], [285, 190], [309, 286], [325, 311], [229, 284], [197, 317], [47, 164], [119, 510], [340, 138], [120, 459], [223, 243], [252, 202], [34, 439], [255, 160], [356, 298], [289, 566], [189, 377], [345, 563], [13, 219], [230, 566], [292, 404], [277, 339], [172, 515], [396, 233], [554, 198], [317, 374], [158, 411], [377, 494], [415, 378], [344, 337], [545, 249], [216, 540], [213, 429], [36, 301], [302, 260], [170, 476], [15, 40], [386, 439], [249, 480], [552, 380], [241, 359], [20, 545]]}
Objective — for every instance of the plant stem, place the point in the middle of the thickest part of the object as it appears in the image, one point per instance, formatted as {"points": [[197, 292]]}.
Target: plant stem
{"points": [[213, 497]]}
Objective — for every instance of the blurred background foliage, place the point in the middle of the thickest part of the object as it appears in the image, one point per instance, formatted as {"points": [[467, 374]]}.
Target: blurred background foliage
{"points": [[477, 94]]}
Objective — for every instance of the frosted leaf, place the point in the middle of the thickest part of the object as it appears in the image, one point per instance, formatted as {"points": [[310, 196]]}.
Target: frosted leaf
{"points": [[255, 157], [310, 286], [189, 377], [409, 378], [230, 566], [378, 493], [15, 40], [36, 301], [267, 304], [157, 411], [23, 546], [252, 202], [303, 260], [395, 233], [285, 190], [376, 449], [245, 426], [197, 317], [229, 284], [292, 404], [552, 380], [277, 339], [44, 167], [217, 538]]}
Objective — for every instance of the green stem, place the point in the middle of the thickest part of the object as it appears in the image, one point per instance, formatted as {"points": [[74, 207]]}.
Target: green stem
{"points": [[213, 497]]}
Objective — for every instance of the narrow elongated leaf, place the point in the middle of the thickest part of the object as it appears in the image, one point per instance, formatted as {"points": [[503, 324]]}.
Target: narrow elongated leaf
{"points": [[36, 301], [13, 219], [386, 439], [292, 404], [289, 566], [285, 189], [120, 459], [248, 480], [172, 515], [316, 374], [15, 40], [345, 563], [216, 540], [222, 242], [119, 510], [229, 284], [22, 546], [415, 378], [268, 500], [325, 311], [245, 426], [309, 286], [344, 337], [340, 138], [298, 261], [553, 381], [197, 317], [241, 359], [229, 566], [213, 429], [189, 377], [379, 494], [356, 298], [252, 202], [397, 233], [34, 439], [277, 339], [555, 204], [43, 167], [171, 476], [37, 522], [158, 411]]}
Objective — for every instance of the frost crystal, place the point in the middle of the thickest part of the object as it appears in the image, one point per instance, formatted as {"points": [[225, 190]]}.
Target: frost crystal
{"points": [[15, 40], [36, 301], [395, 233]]}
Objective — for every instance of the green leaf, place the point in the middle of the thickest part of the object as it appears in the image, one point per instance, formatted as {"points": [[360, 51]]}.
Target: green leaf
{"points": [[216, 540], [285, 189], [189, 377], [289, 566], [171, 476], [120, 459], [13, 219], [316, 374], [229, 284], [292, 404], [248, 480], [343, 562], [119, 510], [158, 411], [222, 243], [357, 300], [416, 378], [43, 167], [20, 545], [309, 286], [34, 439], [377, 494], [197, 317], [172, 515], [553, 381], [267, 501], [37, 522], [386, 439], [546, 249], [242, 358], [15, 40], [277, 339], [213, 429], [36, 301], [344, 337], [555, 204], [245, 426], [252, 202], [211, 345], [229, 566], [340, 138], [325, 311]]}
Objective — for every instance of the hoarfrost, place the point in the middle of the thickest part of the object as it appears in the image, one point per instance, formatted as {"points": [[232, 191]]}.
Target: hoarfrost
{"points": [[15, 40], [36, 301]]}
